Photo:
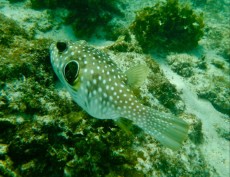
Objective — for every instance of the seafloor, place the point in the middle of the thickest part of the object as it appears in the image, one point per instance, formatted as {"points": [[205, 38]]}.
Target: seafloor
{"points": [[44, 133]]}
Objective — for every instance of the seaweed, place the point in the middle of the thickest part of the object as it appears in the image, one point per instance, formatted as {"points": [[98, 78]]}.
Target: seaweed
{"points": [[169, 26]]}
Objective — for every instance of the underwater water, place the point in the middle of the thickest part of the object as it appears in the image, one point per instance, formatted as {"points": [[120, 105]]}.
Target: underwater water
{"points": [[114, 88]]}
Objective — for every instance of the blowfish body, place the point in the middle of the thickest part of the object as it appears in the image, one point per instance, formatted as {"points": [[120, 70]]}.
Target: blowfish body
{"points": [[100, 88]]}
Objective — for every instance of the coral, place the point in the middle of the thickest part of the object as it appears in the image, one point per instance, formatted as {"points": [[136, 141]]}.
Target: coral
{"points": [[169, 25], [218, 39], [125, 43], [22, 58], [209, 75], [196, 135], [217, 91], [165, 92], [182, 64], [223, 133], [209, 78], [85, 16]]}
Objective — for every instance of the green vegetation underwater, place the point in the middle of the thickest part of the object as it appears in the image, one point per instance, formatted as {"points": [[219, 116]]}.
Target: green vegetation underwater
{"points": [[114, 88]]}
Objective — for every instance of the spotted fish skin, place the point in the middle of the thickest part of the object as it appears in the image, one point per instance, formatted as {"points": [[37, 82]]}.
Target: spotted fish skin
{"points": [[100, 88]]}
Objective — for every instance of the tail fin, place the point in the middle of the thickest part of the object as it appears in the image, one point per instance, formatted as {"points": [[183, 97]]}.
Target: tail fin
{"points": [[167, 129]]}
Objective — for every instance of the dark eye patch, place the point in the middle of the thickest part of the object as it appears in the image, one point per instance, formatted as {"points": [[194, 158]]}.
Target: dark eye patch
{"points": [[71, 71], [61, 46]]}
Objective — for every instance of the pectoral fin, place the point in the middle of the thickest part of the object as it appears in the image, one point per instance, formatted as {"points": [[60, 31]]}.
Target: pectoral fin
{"points": [[137, 75]]}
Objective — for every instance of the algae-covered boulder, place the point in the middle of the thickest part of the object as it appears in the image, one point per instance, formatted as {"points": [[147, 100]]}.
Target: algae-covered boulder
{"points": [[9, 30], [168, 25], [183, 64]]}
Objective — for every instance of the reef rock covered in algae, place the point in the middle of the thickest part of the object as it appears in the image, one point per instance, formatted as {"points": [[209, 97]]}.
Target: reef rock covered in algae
{"points": [[169, 25], [209, 76], [43, 133]]}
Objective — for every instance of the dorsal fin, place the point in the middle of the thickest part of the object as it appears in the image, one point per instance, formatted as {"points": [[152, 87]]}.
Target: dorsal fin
{"points": [[137, 75]]}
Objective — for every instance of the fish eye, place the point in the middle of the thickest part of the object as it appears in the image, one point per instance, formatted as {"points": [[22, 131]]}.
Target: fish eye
{"points": [[71, 71], [61, 46]]}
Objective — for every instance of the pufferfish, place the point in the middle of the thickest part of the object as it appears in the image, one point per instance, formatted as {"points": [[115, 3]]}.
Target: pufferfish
{"points": [[97, 85]]}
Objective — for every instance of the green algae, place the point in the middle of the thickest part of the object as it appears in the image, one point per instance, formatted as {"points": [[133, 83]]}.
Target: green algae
{"points": [[223, 133], [209, 75], [217, 91], [182, 64], [163, 90], [170, 25], [125, 43], [196, 135], [217, 39], [9, 30]]}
